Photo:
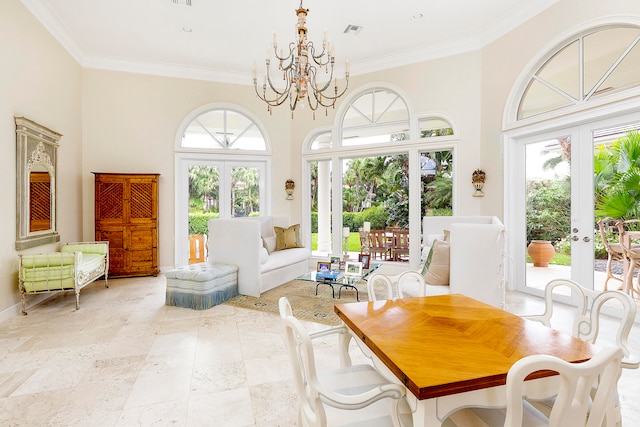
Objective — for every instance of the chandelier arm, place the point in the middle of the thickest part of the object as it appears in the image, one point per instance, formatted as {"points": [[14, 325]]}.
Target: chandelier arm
{"points": [[272, 102], [317, 58], [279, 97], [290, 56], [287, 86]]}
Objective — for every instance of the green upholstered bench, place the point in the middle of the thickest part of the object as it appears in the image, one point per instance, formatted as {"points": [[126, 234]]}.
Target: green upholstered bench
{"points": [[201, 286], [74, 267]]}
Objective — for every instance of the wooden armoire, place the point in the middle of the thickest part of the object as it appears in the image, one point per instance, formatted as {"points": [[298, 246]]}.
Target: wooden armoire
{"points": [[126, 214]]}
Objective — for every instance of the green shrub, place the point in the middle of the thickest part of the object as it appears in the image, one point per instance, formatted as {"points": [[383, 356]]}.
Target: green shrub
{"points": [[198, 222]]}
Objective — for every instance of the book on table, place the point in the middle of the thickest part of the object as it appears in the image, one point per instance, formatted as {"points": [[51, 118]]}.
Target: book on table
{"points": [[328, 275]]}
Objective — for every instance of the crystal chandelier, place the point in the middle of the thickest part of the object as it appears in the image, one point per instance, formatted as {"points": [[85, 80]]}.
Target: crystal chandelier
{"points": [[300, 69]]}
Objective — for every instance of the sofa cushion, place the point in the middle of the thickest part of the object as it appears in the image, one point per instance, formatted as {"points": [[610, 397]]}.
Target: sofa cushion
{"points": [[269, 243], [436, 267], [287, 238], [281, 259]]}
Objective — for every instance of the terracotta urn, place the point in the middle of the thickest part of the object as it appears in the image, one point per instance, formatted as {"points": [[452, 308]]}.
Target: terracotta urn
{"points": [[541, 252]]}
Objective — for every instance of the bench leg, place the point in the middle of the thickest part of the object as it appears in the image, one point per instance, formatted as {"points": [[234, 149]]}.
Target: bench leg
{"points": [[77, 300], [24, 303]]}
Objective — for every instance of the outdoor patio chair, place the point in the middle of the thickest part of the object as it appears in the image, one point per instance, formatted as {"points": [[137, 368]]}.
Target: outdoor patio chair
{"points": [[379, 245], [609, 226], [629, 231]]}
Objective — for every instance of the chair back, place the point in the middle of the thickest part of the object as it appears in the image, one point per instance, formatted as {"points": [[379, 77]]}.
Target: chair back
{"points": [[302, 359], [609, 233], [374, 282], [353, 394], [395, 286], [587, 315], [400, 244], [585, 394]]}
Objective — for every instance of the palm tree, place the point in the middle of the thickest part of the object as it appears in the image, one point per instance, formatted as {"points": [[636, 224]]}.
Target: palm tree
{"points": [[617, 178]]}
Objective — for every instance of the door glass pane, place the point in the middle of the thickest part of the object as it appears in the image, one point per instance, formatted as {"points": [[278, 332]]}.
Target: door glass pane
{"points": [[245, 191], [548, 211], [436, 170], [204, 192], [376, 190], [616, 167]]}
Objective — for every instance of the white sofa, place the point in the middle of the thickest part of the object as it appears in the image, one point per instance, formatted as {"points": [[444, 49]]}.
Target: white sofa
{"points": [[239, 241], [476, 256]]}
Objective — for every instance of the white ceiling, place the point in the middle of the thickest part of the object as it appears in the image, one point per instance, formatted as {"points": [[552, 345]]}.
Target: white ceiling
{"points": [[222, 40]]}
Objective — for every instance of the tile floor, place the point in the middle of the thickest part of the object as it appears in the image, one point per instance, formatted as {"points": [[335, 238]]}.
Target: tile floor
{"points": [[126, 359]]}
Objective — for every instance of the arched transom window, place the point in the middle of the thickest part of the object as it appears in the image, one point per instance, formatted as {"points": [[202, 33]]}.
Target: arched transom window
{"points": [[593, 64], [223, 129]]}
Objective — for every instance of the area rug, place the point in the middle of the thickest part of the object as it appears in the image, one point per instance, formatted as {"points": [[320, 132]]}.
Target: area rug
{"points": [[305, 303]]}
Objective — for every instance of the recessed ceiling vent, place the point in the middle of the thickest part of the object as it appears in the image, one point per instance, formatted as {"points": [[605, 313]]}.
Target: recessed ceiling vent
{"points": [[182, 2], [353, 29]]}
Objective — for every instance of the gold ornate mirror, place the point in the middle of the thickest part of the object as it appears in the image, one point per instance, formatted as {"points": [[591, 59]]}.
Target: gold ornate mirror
{"points": [[36, 156]]}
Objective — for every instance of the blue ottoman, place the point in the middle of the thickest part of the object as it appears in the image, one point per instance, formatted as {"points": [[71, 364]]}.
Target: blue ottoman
{"points": [[201, 286]]}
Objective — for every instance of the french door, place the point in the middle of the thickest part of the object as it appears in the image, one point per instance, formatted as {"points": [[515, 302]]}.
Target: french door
{"points": [[236, 188], [550, 196]]}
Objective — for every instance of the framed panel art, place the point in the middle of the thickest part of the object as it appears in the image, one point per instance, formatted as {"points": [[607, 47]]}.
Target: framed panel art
{"points": [[365, 259], [323, 266], [352, 268]]}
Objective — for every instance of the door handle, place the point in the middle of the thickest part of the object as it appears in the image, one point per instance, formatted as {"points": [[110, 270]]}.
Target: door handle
{"points": [[575, 238], [586, 239]]}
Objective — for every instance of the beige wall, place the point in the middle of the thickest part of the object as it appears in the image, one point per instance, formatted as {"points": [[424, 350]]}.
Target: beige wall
{"points": [[38, 80], [121, 122]]}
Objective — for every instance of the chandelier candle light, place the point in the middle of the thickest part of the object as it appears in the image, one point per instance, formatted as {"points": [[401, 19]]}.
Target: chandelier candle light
{"points": [[300, 69]]}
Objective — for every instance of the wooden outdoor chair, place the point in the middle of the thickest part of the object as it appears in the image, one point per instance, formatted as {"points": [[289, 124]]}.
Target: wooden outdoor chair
{"points": [[379, 247], [613, 247], [629, 233], [400, 250], [197, 248]]}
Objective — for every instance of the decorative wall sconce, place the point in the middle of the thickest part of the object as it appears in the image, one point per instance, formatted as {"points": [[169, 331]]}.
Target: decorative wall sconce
{"points": [[478, 179], [289, 186]]}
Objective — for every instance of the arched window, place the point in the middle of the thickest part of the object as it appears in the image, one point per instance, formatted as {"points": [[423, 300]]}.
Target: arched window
{"points": [[377, 116], [598, 62], [223, 129], [379, 164], [221, 164]]}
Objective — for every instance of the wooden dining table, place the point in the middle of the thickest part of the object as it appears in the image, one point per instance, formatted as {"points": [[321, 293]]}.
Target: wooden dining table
{"points": [[452, 351]]}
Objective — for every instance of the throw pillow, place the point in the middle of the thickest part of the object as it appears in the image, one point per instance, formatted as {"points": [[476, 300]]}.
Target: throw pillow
{"points": [[269, 243], [436, 267], [287, 238]]}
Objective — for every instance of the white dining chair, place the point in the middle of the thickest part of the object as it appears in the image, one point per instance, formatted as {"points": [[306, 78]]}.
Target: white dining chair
{"points": [[588, 315], [409, 283], [587, 319], [583, 398], [348, 395]]}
